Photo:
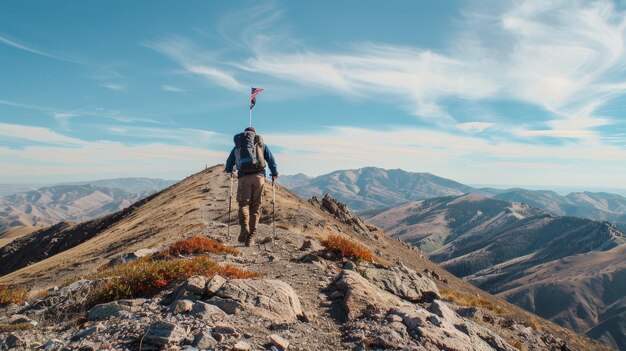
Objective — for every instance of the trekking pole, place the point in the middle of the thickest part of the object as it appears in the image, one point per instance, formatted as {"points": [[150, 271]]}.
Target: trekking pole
{"points": [[230, 201], [273, 207]]}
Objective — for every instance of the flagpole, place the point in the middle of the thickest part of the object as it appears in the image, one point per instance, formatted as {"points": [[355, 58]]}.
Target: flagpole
{"points": [[250, 124]]}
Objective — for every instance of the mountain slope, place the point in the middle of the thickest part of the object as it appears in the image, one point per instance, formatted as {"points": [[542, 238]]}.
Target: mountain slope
{"points": [[373, 188], [499, 246], [333, 298], [74, 202], [584, 292]]}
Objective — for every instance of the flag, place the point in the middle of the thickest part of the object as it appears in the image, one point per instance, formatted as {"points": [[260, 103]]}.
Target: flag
{"points": [[253, 94]]}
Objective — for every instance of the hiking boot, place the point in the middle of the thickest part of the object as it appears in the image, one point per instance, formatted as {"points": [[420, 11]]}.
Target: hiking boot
{"points": [[250, 241], [243, 236]]}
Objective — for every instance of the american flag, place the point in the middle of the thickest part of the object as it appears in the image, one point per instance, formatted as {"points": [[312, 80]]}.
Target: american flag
{"points": [[255, 92]]}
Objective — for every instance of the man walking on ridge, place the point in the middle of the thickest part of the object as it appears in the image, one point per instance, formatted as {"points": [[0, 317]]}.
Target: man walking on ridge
{"points": [[250, 156]]}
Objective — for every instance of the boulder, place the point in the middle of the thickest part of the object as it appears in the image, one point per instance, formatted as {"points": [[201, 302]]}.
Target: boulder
{"points": [[362, 298], [279, 342], [131, 256], [14, 341], [242, 346], [106, 311], [196, 285], [181, 306], [205, 311], [83, 333], [215, 284], [270, 299], [442, 310], [402, 282], [204, 341], [226, 305], [164, 334]]}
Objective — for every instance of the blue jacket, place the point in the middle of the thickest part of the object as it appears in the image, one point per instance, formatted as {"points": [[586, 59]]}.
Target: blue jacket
{"points": [[269, 158]]}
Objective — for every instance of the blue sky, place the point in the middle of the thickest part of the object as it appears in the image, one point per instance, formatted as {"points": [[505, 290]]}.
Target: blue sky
{"points": [[525, 92]]}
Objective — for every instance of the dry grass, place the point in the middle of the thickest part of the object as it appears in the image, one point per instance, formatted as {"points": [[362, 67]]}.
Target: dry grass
{"points": [[469, 300], [145, 277], [12, 295], [534, 324], [198, 244], [347, 248]]}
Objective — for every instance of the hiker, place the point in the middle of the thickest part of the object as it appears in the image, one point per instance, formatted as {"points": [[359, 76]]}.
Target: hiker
{"points": [[250, 156]]}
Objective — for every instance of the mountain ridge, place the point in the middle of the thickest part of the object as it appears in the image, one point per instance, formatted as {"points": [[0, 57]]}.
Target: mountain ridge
{"points": [[197, 206]]}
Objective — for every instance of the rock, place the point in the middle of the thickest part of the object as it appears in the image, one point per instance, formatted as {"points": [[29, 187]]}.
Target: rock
{"points": [[481, 335], [53, 344], [242, 346], [270, 299], [310, 258], [181, 306], [442, 310], [224, 329], [387, 338], [228, 306], [341, 212], [204, 341], [349, 265], [362, 298], [84, 333], [472, 312], [203, 310], [196, 285], [278, 341], [215, 284], [403, 282], [131, 256], [13, 340], [106, 310], [66, 302], [164, 334]]}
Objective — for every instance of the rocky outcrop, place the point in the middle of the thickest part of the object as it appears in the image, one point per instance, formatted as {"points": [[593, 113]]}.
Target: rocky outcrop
{"points": [[272, 299], [402, 282], [362, 299], [341, 212]]}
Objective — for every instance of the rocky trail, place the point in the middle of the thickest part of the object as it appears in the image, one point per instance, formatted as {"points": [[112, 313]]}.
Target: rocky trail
{"points": [[306, 296]]}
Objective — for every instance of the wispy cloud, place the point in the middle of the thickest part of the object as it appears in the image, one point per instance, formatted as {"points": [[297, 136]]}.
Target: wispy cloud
{"points": [[90, 111], [113, 86], [21, 46], [194, 61], [564, 57], [29, 134], [172, 88]]}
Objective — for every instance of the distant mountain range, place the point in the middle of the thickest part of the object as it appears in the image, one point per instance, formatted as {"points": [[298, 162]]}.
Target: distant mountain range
{"points": [[371, 189], [74, 202], [566, 269]]}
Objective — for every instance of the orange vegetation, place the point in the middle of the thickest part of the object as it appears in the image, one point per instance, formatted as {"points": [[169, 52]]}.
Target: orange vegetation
{"points": [[347, 248], [198, 244], [146, 277], [11, 295]]}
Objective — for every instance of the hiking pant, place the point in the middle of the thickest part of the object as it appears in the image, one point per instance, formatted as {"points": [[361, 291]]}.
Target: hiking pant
{"points": [[249, 196]]}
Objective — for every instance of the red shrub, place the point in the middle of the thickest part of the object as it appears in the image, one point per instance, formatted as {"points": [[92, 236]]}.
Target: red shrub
{"points": [[347, 248]]}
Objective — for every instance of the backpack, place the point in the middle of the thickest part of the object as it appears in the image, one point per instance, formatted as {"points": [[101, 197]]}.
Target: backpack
{"points": [[249, 152]]}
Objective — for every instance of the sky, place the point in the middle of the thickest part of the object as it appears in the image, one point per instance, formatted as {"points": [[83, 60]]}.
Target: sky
{"points": [[525, 93]]}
